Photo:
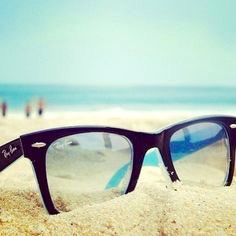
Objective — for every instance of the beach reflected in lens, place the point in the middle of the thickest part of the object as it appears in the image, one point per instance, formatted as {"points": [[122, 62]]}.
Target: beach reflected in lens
{"points": [[88, 167], [200, 154]]}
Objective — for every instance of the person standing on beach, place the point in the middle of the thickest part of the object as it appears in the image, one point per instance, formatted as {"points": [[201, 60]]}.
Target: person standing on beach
{"points": [[28, 109], [41, 106], [107, 140], [4, 108]]}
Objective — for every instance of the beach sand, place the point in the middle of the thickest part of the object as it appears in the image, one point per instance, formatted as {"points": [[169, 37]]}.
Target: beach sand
{"points": [[156, 207]]}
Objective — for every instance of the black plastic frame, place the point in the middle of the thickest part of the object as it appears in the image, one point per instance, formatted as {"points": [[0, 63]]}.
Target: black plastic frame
{"points": [[34, 147]]}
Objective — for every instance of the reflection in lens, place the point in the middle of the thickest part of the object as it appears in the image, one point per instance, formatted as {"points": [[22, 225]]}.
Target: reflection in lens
{"points": [[200, 153], [87, 168]]}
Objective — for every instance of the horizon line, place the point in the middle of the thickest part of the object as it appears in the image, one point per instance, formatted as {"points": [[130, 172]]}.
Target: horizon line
{"points": [[119, 85]]}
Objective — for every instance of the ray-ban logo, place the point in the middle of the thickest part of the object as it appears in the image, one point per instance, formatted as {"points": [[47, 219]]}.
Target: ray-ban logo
{"points": [[8, 153]]}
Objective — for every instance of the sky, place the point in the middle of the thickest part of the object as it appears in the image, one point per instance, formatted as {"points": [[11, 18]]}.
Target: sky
{"points": [[125, 42]]}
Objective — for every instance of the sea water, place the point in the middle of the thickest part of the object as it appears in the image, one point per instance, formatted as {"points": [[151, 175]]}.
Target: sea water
{"points": [[75, 97]]}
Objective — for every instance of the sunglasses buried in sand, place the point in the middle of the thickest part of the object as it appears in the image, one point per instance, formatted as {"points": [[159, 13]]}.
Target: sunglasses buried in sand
{"points": [[87, 161]]}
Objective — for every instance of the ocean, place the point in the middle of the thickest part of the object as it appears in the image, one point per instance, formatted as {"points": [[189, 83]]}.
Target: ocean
{"points": [[59, 97]]}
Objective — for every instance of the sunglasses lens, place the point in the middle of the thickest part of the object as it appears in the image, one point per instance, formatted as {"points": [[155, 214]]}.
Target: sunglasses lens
{"points": [[200, 153], [88, 167]]}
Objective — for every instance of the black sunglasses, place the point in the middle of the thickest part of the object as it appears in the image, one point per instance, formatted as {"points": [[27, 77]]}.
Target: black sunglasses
{"points": [[106, 162]]}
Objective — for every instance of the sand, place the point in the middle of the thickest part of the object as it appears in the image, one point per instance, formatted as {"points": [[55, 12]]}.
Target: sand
{"points": [[156, 207]]}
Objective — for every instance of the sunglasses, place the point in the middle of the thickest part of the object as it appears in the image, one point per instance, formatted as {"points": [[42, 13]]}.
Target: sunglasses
{"points": [[103, 162]]}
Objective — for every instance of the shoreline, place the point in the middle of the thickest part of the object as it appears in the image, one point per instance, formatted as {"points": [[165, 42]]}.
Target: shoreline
{"points": [[135, 120], [49, 113]]}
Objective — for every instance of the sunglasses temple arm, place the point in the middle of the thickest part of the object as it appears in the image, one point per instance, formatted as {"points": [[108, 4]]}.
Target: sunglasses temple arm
{"points": [[9, 153]]}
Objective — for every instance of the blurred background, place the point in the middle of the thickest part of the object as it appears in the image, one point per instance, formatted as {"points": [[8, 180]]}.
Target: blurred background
{"points": [[148, 55]]}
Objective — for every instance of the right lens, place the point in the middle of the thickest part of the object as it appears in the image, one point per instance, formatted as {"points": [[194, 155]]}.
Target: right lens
{"points": [[200, 153], [88, 167]]}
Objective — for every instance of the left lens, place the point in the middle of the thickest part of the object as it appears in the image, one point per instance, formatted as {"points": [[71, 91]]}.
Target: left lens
{"points": [[88, 167], [200, 153]]}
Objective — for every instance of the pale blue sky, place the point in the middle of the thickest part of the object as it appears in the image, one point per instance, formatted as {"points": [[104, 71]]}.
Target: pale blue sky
{"points": [[118, 42]]}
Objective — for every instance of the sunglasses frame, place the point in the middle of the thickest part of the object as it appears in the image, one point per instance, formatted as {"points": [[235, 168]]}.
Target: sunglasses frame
{"points": [[34, 146]]}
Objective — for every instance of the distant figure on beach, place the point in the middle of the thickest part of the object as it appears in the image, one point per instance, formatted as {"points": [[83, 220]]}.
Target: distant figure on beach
{"points": [[28, 109], [107, 140], [41, 106], [4, 108]]}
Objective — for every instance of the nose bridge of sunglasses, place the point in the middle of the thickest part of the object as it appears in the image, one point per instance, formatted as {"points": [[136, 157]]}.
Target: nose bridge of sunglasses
{"points": [[151, 140]]}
